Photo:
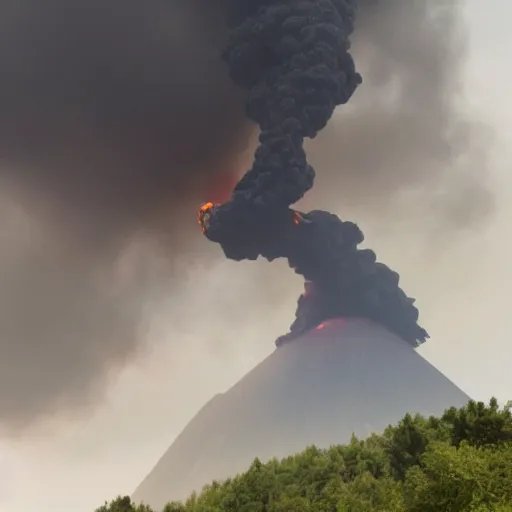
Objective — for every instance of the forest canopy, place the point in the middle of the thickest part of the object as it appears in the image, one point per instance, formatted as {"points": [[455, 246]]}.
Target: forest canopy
{"points": [[461, 461]]}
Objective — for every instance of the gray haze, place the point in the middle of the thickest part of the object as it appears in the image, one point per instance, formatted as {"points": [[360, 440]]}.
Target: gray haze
{"points": [[350, 377], [110, 138], [407, 133], [116, 123]]}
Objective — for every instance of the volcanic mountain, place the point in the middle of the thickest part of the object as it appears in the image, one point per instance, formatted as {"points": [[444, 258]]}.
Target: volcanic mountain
{"points": [[345, 377]]}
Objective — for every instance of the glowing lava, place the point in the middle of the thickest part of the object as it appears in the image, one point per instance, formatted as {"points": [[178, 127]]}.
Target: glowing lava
{"points": [[204, 214]]}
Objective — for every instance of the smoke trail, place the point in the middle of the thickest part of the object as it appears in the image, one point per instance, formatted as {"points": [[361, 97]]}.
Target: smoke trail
{"points": [[110, 137]]}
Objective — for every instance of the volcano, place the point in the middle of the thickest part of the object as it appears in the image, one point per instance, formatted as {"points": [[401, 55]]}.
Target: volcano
{"points": [[347, 376]]}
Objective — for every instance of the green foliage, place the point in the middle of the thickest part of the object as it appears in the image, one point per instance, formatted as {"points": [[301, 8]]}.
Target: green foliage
{"points": [[123, 504], [461, 461]]}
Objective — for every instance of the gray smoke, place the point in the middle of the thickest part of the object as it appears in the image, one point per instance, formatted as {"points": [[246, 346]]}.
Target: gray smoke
{"points": [[109, 139], [117, 121], [407, 132]]}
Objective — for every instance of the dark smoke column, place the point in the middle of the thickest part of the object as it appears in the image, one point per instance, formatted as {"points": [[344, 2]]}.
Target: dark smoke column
{"points": [[293, 59]]}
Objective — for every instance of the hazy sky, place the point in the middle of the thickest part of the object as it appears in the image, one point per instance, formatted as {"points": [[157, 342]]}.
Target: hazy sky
{"points": [[462, 292]]}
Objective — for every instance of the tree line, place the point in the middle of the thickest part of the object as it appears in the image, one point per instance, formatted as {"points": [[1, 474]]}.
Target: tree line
{"points": [[461, 461]]}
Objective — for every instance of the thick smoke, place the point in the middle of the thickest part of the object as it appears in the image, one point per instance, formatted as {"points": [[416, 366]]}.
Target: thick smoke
{"points": [[109, 139], [294, 59], [117, 122]]}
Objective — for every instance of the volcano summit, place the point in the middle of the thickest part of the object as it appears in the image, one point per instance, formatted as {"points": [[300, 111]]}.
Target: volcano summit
{"points": [[351, 376]]}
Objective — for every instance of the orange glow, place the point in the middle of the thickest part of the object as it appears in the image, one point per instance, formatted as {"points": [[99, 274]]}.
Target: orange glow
{"points": [[297, 217], [206, 206], [219, 187], [332, 321], [204, 214]]}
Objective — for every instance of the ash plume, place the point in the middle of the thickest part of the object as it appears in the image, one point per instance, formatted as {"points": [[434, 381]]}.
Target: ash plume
{"points": [[294, 60], [117, 122]]}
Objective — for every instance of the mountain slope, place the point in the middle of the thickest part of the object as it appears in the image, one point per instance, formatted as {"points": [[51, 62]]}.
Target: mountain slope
{"points": [[352, 376]]}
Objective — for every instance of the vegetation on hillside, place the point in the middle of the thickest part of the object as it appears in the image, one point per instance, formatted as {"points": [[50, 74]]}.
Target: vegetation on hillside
{"points": [[461, 461]]}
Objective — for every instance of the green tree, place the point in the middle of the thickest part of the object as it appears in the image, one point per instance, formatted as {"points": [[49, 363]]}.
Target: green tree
{"points": [[366, 493], [123, 504], [460, 479], [175, 506], [407, 442], [458, 462], [295, 504], [479, 424]]}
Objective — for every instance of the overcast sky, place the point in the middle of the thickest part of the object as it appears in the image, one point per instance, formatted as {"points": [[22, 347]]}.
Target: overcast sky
{"points": [[74, 466]]}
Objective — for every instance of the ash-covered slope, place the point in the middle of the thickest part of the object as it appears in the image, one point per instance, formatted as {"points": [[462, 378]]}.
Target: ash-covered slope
{"points": [[351, 376]]}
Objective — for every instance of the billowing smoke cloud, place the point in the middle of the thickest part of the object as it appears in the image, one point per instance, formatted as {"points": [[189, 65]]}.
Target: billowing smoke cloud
{"points": [[117, 122]]}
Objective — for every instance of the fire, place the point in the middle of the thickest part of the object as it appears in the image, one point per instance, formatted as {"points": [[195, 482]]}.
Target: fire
{"points": [[204, 214], [300, 218], [335, 321]]}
